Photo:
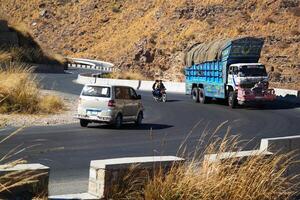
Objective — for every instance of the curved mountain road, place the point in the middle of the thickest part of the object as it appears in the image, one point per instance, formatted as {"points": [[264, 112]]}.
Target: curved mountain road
{"points": [[68, 149]]}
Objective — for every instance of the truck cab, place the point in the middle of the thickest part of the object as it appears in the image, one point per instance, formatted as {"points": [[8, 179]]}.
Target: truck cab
{"points": [[248, 83]]}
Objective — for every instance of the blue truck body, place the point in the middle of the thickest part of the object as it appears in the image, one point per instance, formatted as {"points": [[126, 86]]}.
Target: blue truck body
{"points": [[212, 75]]}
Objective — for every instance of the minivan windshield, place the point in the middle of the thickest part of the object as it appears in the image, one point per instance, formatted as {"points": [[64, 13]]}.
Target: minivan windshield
{"points": [[96, 91], [252, 70]]}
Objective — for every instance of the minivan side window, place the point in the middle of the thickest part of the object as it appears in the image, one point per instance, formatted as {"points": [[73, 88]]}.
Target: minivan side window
{"points": [[118, 93], [122, 93], [126, 92], [132, 94]]}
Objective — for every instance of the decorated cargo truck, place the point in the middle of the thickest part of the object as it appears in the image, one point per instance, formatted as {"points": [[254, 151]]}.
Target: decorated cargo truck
{"points": [[228, 70]]}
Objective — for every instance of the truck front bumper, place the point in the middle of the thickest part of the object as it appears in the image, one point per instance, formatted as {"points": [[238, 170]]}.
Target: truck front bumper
{"points": [[249, 96]]}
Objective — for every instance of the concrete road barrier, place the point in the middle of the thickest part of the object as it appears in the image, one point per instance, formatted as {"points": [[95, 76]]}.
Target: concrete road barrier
{"points": [[281, 144], [176, 87], [285, 145], [33, 180], [213, 158], [292, 96], [286, 92], [91, 64], [105, 175]]}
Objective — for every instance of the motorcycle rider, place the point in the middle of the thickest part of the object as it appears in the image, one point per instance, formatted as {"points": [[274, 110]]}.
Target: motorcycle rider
{"points": [[157, 87], [161, 85]]}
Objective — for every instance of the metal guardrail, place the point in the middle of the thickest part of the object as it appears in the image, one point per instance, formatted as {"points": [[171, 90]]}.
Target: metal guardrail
{"points": [[90, 64]]}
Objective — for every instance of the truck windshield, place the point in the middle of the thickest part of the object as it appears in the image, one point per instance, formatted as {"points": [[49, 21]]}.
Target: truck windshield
{"points": [[96, 91], [252, 70]]}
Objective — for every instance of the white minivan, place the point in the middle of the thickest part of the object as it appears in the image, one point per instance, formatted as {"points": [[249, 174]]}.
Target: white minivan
{"points": [[111, 104]]}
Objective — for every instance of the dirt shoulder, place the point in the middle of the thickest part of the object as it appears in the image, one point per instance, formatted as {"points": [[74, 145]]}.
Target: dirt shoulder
{"points": [[64, 117]]}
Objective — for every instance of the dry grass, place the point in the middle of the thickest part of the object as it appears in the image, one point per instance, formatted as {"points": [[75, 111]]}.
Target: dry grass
{"points": [[28, 50], [257, 177], [253, 178], [10, 181], [19, 93], [5, 56], [51, 104]]}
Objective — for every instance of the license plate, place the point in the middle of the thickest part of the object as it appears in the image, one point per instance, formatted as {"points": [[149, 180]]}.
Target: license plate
{"points": [[259, 97], [92, 112]]}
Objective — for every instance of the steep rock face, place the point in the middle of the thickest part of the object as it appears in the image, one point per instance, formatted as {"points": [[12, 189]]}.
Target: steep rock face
{"points": [[151, 36]]}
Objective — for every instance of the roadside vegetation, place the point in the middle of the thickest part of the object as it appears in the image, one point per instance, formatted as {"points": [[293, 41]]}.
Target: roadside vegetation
{"points": [[152, 35], [20, 93], [10, 181], [27, 50], [257, 177]]}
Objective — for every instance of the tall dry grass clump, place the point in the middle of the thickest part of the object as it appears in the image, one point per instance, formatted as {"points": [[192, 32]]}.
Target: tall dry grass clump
{"points": [[20, 93], [260, 176], [257, 177], [5, 56], [12, 180]]}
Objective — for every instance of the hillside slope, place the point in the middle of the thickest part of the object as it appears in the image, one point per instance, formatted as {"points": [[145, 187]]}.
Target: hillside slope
{"points": [[152, 35]]}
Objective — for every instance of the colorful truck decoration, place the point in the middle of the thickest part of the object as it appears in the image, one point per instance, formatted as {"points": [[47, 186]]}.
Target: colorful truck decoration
{"points": [[231, 71]]}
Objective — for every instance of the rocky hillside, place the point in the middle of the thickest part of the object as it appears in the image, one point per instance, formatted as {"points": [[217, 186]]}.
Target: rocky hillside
{"points": [[152, 36]]}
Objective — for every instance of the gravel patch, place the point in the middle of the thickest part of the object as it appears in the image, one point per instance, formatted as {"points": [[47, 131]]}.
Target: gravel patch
{"points": [[65, 117]]}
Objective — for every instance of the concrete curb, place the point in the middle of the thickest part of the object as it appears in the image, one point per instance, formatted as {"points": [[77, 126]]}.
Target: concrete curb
{"points": [[175, 87], [292, 96], [79, 196]]}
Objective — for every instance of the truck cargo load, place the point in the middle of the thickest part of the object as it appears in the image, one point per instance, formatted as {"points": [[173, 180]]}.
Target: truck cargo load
{"points": [[227, 69], [248, 48]]}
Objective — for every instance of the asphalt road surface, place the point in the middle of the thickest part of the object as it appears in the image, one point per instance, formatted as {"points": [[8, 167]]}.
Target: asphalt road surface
{"points": [[68, 149]]}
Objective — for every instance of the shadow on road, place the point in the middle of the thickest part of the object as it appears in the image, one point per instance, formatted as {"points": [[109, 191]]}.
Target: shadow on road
{"points": [[279, 104], [172, 100], [134, 127]]}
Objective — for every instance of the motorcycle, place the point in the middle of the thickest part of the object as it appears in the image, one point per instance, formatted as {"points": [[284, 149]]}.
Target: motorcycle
{"points": [[161, 97]]}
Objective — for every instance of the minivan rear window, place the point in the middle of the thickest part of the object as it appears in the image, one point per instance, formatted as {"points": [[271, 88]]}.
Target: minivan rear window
{"points": [[96, 91]]}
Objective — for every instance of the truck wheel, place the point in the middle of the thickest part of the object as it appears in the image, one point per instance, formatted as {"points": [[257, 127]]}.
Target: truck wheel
{"points": [[195, 94], [202, 98], [84, 123], [232, 99]]}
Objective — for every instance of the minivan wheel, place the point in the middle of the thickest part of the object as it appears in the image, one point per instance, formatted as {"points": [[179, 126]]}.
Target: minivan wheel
{"points": [[84, 123], [118, 121], [139, 119]]}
